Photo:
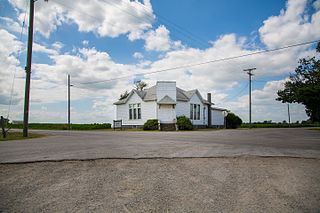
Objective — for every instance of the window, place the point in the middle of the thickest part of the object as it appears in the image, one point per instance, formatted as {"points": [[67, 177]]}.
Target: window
{"points": [[134, 111], [130, 111], [195, 111]]}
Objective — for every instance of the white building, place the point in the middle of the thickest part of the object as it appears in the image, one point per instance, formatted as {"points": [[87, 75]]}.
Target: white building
{"points": [[165, 102]]}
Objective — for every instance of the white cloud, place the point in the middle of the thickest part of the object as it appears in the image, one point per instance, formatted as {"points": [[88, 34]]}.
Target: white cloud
{"points": [[138, 55], [85, 42], [57, 45], [159, 40], [264, 105], [292, 25], [105, 18], [43, 49], [89, 64]]}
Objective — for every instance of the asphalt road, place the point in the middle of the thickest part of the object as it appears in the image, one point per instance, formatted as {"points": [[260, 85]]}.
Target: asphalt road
{"points": [[77, 145], [240, 184]]}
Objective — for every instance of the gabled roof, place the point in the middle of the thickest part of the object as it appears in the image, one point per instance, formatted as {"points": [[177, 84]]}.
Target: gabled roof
{"points": [[150, 94], [141, 94], [220, 109], [166, 100]]}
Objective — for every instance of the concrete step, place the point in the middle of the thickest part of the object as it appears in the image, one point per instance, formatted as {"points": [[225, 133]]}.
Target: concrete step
{"points": [[168, 127]]}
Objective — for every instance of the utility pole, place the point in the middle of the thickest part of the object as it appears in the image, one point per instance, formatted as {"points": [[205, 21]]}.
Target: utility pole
{"points": [[289, 115], [249, 72], [28, 71], [69, 85]]}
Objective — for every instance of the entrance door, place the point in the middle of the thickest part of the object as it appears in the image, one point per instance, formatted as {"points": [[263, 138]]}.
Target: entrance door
{"points": [[166, 113]]}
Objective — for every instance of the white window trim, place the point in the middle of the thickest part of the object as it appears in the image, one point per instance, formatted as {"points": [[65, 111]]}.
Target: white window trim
{"points": [[135, 109]]}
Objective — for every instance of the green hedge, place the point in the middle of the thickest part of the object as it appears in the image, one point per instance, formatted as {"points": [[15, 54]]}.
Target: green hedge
{"points": [[184, 123], [52, 126], [233, 121], [151, 124]]}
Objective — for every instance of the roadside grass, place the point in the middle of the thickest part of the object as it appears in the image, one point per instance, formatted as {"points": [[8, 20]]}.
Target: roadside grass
{"points": [[57, 126], [19, 136], [279, 125]]}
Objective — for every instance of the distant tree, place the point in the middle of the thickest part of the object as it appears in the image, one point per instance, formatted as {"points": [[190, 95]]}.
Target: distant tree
{"points": [[233, 121], [124, 95], [140, 85], [304, 87]]}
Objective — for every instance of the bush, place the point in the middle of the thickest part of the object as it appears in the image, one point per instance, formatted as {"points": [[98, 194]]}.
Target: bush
{"points": [[184, 123], [233, 121], [151, 124]]}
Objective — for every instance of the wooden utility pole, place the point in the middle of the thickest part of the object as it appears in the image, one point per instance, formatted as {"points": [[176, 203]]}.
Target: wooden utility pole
{"points": [[69, 85], [28, 71], [249, 72], [289, 119]]}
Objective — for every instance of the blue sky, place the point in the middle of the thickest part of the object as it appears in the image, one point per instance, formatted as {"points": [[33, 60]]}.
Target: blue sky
{"points": [[109, 39]]}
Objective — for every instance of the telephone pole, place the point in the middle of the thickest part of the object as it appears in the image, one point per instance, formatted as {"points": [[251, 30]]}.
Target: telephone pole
{"points": [[69, 85], [289, 119], [28, 71], [249, 72]]}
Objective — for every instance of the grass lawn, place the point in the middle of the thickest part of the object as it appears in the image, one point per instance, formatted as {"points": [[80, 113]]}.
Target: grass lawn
{"points": [[19, 136]]}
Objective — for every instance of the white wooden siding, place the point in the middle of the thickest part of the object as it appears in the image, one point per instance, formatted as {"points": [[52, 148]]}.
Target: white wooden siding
{"points": [[166, 88], [148, 111], [217, 117]]}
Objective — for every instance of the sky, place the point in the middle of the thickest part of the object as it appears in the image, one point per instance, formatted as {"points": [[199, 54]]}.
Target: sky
{"points": [[110, 39]]}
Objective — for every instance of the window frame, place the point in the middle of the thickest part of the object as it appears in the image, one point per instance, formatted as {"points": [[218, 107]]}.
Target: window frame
{"points": [[135, 111]]}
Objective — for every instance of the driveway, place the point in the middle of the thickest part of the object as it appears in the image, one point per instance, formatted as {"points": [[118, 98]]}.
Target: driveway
{"points": [[82, 145]]}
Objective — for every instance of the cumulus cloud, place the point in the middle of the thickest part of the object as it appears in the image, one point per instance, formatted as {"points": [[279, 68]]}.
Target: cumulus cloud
{"points": [[292, 25], [91, 65], [105, 18], [159, 40], [9, 64]]}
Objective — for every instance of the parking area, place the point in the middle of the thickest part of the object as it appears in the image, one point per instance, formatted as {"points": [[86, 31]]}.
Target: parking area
{"points": [[77, 145], [257, 170]]}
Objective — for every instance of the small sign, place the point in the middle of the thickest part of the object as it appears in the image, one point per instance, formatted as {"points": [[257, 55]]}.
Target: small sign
{"points": [[117, 124]]}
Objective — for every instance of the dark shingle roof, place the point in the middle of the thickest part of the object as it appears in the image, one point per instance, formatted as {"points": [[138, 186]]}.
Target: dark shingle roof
{"points": [[150, 95], [166, 100]]}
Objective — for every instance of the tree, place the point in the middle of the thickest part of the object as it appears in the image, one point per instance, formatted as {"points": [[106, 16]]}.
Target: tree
{"points": [[124, 95], [140, 85], [233, 121], [304, 86]]}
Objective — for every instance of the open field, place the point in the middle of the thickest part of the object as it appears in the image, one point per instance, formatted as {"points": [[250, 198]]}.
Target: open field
{"points": [[57, 126], [11, 135], [163, 185], [279, 125]]}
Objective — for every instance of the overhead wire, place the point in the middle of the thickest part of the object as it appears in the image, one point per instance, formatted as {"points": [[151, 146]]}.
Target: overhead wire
{"points": [[202, 63], [18, 57], [163, 20]]}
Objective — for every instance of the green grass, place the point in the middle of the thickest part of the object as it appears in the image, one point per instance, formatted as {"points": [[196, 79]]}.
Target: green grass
{"points": [[279, 125], [19, 136], [56, 126]]}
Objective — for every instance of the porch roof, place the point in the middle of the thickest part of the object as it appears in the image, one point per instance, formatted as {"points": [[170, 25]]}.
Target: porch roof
{"points": [[166, 100]]}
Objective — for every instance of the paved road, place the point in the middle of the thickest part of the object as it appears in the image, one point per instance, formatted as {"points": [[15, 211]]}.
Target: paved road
{"points": [[61, 145]]}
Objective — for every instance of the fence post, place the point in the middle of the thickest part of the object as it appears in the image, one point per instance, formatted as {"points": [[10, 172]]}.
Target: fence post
{"points": [[4, 133]]}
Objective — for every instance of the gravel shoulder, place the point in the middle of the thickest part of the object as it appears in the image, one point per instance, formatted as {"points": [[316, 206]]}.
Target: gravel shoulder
{"points": [[243, 184]]}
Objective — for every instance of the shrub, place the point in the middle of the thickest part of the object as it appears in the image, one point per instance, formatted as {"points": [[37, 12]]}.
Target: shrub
{"points": [[151, 124], [233, 121], [184, 123]]}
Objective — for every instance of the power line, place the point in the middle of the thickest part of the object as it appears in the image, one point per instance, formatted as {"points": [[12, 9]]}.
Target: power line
{"points": [[18, 56], [160, 19], [168, 22], [235, 95], [202, 63]]}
